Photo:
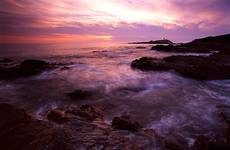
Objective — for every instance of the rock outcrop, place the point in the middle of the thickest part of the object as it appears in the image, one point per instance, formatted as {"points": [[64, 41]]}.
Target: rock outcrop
{"points": [[163, 41], [125, 123], [83, 127], [216, 66], [80, 94], [25, 69]]}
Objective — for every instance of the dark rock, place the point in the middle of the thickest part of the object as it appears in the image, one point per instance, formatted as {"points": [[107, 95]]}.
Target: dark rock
{"points": [[164, 41], [25, 69], [19, 131], [10, 117], [176, 142], [33, 67], [225, 113], [140, 47], [6, 60], [125, 123], [57, 116], [198, 67], [80, 94], [87, 112], [148, 64], [204, 143]]}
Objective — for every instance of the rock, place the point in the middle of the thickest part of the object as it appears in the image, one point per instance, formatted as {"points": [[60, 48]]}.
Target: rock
{"points": [[125, 123], [140, 47], [204, 143], [10, 117], [33, 67], [87, 112], [197, 67], [163, 41], [148, 64], [80, 94], [175, 142], [179, 48], [57, 116], [5, 60], [225, 113], [25, 69], [19, 131]]}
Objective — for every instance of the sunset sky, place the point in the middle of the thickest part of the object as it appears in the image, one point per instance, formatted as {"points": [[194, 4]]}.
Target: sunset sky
{"points": [[34, 21]]}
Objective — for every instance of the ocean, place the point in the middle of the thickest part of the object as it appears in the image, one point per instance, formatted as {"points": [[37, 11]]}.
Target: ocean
{"points": [[163, 101]]}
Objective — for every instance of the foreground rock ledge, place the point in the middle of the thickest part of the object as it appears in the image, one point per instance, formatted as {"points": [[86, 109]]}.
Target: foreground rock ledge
{"points": [[67, 128], [214, 67], [74, 127]]}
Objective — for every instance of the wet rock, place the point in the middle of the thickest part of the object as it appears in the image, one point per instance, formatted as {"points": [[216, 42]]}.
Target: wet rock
{"points": [[170, 48], [148, 63], [175, 142], [33, 67], [204, 143], [140, 47], [225, 113], [57, 116], [80, 94], [125, 123], [197, 67], [19, 131], [25, 69], [10, 117], [6, 60], [87, 112], [125, 91]]}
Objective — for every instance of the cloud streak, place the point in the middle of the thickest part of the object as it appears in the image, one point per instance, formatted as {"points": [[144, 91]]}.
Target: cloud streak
{"points": [[114, 18]]}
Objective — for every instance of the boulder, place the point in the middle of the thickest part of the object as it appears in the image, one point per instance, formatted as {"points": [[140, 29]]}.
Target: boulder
{"points": [[11, 117], [80, 94], [25, 69], [31, 67], [204, 143], [87, 112], [57, 116], [6, 60], [148, 64], [197, 67], [125, 123], [175, 142], [140, 47]]}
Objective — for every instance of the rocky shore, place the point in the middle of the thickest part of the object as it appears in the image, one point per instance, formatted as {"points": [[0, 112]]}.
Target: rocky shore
{"points": [[213, 67], [203, 45], [84, 127], [163, 41]]}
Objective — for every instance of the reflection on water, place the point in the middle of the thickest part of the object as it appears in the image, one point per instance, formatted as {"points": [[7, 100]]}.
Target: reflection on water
{"points": [[163, 101]]}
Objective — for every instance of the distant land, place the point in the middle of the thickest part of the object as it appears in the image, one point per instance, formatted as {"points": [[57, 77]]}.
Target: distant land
{"points": [[202, 45], [163, 41]]}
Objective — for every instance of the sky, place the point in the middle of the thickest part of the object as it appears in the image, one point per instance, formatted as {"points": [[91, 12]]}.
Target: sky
{"points": [[50, 21]]}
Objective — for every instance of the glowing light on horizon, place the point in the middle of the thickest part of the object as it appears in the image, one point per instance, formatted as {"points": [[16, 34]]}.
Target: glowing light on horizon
{"points": [[60, 38], [109, 19]]}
